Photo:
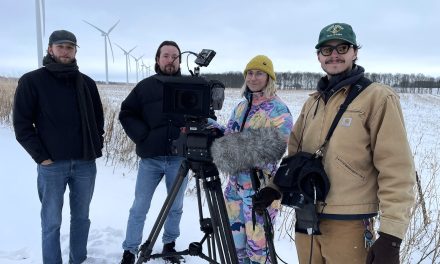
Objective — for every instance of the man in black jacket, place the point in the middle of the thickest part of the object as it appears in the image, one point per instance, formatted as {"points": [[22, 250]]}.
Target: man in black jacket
{"points": [[153, 133], [59, 121]]}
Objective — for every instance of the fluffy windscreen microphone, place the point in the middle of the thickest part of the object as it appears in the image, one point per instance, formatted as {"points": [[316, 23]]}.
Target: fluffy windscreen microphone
{"points": [[251, 148]]}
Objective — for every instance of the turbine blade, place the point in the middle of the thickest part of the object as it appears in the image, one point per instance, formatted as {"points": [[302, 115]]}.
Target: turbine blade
{"points": [[103, 32], [108, 32], [125, 52], [111, 48], [132, 49]]}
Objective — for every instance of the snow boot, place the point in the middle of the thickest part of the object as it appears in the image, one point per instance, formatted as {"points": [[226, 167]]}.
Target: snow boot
{"points": [[169, 248], [127, 257]]}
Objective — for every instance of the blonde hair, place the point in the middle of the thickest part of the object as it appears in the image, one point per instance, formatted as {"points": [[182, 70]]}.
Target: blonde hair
{"points": [[268, 91]]}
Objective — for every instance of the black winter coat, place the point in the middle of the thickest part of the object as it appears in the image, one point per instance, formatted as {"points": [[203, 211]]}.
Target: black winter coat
{"points": [[46, 116], [144, 122]]}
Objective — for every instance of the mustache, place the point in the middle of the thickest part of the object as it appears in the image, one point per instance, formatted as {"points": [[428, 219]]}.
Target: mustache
{"points": [[334, 60]]}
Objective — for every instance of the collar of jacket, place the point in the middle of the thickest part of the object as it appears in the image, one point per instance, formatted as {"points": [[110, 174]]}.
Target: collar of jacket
{"points": [[159, 72], [343, 89], [257, 97]]}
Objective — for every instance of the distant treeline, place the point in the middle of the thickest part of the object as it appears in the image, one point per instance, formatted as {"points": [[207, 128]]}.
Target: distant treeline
{"points": [[411, 83]]}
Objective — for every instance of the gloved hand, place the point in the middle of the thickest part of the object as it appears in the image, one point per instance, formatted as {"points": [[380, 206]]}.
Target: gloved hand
{"points": [[264, 198], [385, 250]]}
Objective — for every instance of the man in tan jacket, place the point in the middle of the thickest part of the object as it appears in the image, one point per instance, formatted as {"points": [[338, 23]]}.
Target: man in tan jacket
{"points": [[368, 161]]}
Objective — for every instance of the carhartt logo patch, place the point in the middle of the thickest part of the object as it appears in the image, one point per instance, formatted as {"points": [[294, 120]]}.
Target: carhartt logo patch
{"points": [[334, 29], [346, 121]]}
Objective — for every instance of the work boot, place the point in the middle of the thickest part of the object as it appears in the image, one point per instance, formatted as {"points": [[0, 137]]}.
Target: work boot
{"points": [[169, 248], [127, 257]]}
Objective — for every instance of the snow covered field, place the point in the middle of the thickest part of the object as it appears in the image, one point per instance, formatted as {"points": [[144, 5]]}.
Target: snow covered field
{"points": [[20, 221]]}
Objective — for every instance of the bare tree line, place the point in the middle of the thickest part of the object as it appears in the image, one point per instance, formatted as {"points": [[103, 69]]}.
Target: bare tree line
{"points": [[406, 83]]}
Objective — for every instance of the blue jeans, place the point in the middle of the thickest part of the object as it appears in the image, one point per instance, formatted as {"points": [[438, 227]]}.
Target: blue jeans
{"points": [[151, 171], [52, 180]]}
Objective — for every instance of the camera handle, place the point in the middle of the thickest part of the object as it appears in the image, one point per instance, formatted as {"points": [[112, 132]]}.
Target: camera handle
{"points": [[196, 71], [217, 229]]}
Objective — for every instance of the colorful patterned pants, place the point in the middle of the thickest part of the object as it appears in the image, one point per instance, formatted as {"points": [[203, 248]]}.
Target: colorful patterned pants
{"points": [[250, 241]]}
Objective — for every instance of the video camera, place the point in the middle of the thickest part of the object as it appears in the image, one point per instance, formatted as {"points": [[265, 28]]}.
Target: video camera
{"points": [[195, 98]]}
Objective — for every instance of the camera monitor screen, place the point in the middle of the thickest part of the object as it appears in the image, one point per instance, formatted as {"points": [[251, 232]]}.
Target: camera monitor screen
{"points": [[186, 95]]}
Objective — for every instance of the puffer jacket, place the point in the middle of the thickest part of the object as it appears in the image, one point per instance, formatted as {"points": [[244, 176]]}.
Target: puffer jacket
{"points": [[368, 158], [142, 118]]}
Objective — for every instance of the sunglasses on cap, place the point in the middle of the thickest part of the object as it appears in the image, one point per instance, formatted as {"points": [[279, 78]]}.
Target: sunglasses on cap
{"points": [[340, 49]]}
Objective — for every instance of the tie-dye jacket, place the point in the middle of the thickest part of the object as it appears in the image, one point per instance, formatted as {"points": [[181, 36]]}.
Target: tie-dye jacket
{"points": [[264, 112]]}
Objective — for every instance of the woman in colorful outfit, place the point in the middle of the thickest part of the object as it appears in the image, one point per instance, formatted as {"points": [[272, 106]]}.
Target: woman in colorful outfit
{"points": [[262, 108]]}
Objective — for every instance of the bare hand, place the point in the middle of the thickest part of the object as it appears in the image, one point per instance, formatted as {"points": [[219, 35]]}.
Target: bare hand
{"points": [[47, 162]]}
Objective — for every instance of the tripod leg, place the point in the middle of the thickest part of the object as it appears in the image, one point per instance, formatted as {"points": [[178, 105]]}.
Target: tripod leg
{"points": [[147, 247], [221, 225]]}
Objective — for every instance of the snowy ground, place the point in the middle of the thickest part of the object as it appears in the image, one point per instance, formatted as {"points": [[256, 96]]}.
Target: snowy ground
{"points": [[20, 221]]}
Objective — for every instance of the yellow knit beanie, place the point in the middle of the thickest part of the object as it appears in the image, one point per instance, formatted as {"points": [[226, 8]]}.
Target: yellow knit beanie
{"points": [[262, 63]]}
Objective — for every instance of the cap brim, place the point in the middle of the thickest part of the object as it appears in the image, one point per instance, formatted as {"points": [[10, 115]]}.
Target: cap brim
{"points": [[65, 41], [326, 40]]}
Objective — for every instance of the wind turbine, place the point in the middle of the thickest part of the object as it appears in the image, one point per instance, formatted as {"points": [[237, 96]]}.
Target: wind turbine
{"points": [[143, 66], [127, 58], [106, 38], [40, 23], [137, 66]]}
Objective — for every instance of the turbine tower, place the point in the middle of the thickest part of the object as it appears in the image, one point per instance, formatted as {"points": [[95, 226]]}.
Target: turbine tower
{"points": [[127, 58], [40, 23], [137, 66], [143, 67], [106, 38]]}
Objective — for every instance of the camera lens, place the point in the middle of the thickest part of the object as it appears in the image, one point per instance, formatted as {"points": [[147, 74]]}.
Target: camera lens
{"points": [[188, 100]]}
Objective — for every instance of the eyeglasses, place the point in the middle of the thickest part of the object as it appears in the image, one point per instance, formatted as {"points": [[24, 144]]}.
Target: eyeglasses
{"points": [[256, 74], [340, 49]]}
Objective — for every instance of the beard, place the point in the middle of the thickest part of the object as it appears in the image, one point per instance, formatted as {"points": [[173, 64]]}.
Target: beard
{"points": [[169, 69], [63, 60]]}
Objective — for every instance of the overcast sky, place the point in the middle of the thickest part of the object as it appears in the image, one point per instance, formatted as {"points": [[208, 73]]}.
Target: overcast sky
{"points": [[395, 35]]}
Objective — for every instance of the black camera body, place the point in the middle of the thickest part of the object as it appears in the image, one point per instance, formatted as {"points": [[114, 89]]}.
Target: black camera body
{"points": [[191, 95], [195, 98]]}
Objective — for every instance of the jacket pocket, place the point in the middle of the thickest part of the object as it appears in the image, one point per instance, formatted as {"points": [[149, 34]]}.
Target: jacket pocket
{"points": [[348, 168]]}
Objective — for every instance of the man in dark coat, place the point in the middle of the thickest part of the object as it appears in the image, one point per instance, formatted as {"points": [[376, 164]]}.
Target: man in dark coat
{"points": [[58, 119], [153, 133]]}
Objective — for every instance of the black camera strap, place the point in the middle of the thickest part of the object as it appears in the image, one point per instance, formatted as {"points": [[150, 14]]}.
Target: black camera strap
{"points": [[355, 90]]}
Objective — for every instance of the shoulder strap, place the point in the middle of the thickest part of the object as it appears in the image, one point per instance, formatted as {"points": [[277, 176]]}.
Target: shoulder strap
{"points": [[355, 90]]}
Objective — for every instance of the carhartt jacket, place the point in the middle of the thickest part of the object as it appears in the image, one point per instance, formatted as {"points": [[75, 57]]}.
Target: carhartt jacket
{"points": [[368, 159]]}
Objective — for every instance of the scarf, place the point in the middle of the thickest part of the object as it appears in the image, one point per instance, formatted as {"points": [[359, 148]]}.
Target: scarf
{"points": [[328, 87], [89, 129]]}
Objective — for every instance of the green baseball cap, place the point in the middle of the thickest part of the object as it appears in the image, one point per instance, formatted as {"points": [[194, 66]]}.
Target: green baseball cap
{"points": [[334, 31]]}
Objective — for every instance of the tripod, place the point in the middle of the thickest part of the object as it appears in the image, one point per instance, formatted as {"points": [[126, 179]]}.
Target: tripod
{"points": [[217, 231]]}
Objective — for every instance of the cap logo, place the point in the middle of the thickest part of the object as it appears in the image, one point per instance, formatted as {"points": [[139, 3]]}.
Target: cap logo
{"points": [[335, 29]]}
